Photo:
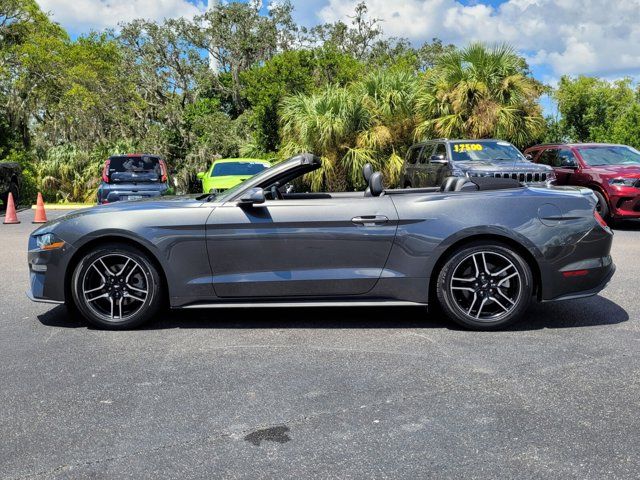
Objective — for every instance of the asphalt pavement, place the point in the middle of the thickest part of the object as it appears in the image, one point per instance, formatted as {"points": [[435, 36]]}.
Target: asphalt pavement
{"points": [[324, 393]]}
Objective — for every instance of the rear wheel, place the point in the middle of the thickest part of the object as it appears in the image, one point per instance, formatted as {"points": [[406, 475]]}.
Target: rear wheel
{"points": [[116, 287], [485, 286]]}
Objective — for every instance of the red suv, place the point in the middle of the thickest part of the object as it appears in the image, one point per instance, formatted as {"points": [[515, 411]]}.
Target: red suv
{"points": [[611, 171]]}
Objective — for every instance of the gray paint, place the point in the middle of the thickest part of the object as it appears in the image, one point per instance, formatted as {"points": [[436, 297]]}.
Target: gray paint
{"points": [[309, 248]]}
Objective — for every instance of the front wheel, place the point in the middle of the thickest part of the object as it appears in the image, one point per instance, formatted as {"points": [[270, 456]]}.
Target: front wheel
{"points": [[485, 286], [602, 207], [116, 287]]}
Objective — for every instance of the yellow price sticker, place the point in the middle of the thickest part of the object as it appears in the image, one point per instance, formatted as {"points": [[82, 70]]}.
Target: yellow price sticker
{"points": [[467, 147]]}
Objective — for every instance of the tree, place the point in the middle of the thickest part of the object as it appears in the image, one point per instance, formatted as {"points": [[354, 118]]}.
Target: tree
{"points": [[291, 72], [239, 37], [626, 128], [589, 106], [480, 92], [368, 121]]}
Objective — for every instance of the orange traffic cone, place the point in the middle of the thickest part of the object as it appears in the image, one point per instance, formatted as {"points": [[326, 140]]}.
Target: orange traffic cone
{"points": [[41, 215], [10, 216]]}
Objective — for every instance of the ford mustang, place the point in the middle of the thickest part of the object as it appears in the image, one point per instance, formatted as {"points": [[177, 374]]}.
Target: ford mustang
{"points": [[478, 248]]}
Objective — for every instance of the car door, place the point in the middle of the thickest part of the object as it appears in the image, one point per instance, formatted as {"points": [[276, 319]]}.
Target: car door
{"points": [[422, 170], [300, 247], [566, 166], [438, 169], [409, 178], [549, 157]]}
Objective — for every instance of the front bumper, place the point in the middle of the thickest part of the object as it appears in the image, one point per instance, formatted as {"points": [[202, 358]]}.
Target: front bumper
{"points": [[625, 203], [47, 270]]}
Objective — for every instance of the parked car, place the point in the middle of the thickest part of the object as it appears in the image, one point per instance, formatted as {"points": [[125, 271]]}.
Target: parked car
{"points": [[611, 171], [229, 172], [9, 181], [428, 163], [133, 177], [482, 256]]}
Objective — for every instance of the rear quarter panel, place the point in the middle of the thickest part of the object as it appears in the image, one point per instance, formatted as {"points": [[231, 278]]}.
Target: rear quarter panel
{"points": [[548, 223]]}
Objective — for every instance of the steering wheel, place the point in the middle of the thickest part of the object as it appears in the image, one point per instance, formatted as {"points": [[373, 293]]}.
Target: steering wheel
{"points": [[275, 193]]}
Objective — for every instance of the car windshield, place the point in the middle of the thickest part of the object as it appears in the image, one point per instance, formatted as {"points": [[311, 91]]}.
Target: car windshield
{"points": [[485, 150], [611, 155], [237, 168]]}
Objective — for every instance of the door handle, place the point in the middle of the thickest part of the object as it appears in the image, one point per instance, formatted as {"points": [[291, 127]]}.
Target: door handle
{"points": [[370, 220]]}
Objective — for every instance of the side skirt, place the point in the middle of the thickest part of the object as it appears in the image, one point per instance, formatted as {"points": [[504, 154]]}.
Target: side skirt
{"points": [[298, 304]]}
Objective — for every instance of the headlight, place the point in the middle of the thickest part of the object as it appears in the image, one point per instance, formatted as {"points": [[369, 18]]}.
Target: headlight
{"points": [[625, 182], [48, 241]]}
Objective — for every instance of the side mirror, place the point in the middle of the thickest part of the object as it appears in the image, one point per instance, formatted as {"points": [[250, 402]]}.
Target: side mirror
{"points": [[438, 159], [200, 175], [529, 157], [252, 197], [568, 164]]}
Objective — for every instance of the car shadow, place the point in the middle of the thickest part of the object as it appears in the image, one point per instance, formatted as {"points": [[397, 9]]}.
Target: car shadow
{"points": [[627, 225], [588, 312]]}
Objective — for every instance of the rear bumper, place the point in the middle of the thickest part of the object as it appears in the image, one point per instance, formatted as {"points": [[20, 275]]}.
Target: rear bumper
{"points": [[590, 292], [116, 192]]}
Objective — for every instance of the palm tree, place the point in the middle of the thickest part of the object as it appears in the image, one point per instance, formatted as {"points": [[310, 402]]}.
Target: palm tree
{"points": [[369, 121], [480, 92]]}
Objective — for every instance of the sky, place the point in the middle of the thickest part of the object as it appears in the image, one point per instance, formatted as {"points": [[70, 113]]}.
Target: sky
{"points": [[557, 37]]}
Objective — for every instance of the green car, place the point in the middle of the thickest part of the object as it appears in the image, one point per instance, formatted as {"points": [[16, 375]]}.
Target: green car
{"points": [[229, 172]]}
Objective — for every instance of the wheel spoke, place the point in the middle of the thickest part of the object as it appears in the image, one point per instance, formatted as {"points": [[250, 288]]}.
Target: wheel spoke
{"points": [[473, 302], [505, 297], [133, 297], [99, 272], [94, 289], [484, 300], [123, 267], [471, 279], [475, 264], [468, 289], [136, 289], [111, 302], [507, 278], [484, 261], [104, 295], [495, 300], [120, 305], [133, 269], [106, 269]]}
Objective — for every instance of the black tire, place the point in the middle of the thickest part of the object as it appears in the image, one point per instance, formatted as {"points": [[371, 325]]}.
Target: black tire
{"points": [[120, 304], [602, 207], [488, 292]]}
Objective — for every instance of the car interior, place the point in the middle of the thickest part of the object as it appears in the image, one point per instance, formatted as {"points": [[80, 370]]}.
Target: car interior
{"points": [[281, 188]]}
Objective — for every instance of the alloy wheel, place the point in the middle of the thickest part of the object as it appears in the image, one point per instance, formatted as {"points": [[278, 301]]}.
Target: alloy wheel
{"points": [[486, 286], [115, 287]]}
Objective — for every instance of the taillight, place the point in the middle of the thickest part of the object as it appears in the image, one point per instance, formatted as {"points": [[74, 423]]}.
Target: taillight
{"points": [[105, 172], [163, 171], [575, 273]]}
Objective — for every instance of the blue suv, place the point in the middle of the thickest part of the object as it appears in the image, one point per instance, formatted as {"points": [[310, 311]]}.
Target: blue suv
{"points": [[133, 177]]}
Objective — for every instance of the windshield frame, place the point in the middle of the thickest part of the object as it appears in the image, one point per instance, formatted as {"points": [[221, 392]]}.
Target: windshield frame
{"points": [[586, 161], [518, 157]]}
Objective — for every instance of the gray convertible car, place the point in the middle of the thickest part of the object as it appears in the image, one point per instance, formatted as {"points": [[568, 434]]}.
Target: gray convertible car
{"points": [[480, 248]]}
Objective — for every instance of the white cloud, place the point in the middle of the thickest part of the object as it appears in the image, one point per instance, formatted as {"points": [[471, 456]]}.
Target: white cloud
{"points": [[83, 15], [571, 36]]}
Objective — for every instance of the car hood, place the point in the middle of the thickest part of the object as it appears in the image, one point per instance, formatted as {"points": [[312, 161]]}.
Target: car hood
{"points": [[617, 170], [150, 204], [502, 166]]}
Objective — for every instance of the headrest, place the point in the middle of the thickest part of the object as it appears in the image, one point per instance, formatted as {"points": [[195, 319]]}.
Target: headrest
{"points": [[367, 171], [376, 185]]}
